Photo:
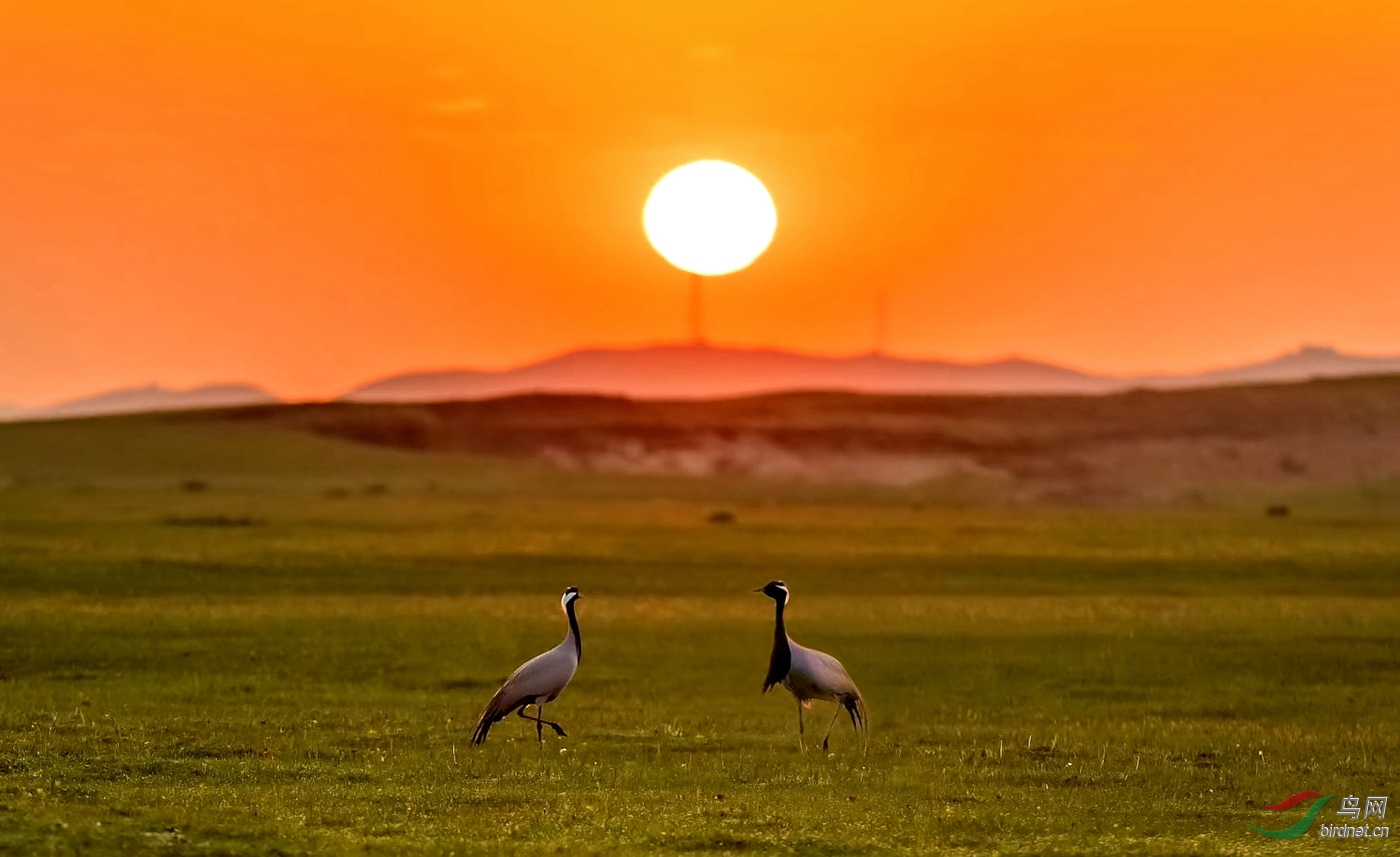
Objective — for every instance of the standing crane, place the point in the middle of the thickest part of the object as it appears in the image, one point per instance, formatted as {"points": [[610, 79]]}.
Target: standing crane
{"points": [[809, 675], [538, 681]]}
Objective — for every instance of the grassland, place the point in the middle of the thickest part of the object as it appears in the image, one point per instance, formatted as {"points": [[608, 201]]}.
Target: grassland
{"points": [[234, 638]]}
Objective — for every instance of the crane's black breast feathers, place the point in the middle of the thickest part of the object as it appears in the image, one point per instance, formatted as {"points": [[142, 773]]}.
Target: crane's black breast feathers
{"points": [[778, 667]]}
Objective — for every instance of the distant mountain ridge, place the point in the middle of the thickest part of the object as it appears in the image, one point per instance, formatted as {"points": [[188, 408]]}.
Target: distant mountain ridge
{"points": [[707, 372], [1308, 362], [153, 398], [698, 371]]}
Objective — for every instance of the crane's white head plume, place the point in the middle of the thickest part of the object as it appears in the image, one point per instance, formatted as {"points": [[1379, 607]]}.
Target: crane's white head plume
{"points": [[570, 594], [776, 590]]}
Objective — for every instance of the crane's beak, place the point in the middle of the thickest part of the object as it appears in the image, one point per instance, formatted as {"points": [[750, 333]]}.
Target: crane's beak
{"points": [[760, 589]]}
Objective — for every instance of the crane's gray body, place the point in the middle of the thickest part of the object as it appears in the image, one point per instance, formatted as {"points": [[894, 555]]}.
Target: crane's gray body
{"points": [[816, 675], [538, 681]]}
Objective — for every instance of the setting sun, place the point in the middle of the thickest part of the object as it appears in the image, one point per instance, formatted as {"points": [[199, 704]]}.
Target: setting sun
{"points": [[710, 218]]}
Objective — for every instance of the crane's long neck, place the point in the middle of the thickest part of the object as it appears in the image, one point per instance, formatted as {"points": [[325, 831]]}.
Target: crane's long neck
{"points": [[781, 660], [573, 630]]}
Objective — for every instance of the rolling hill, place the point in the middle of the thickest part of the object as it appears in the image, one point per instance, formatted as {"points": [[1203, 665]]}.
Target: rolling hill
{"points": [[1133, 446]]}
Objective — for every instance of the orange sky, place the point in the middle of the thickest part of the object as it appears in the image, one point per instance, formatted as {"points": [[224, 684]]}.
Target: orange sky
{"points": [[309, 195]]}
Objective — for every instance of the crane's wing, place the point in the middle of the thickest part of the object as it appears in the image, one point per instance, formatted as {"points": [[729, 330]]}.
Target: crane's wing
{"points": [[824, 676], [822, 670]]}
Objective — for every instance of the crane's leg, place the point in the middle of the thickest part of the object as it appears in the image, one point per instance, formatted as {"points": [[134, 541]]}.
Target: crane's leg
{"points": [[830, 727], [539, 730], [800, 729], [540, 722], [558, 730]]}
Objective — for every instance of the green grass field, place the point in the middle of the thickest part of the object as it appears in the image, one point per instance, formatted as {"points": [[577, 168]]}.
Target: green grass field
{"points": [[233, 639]]}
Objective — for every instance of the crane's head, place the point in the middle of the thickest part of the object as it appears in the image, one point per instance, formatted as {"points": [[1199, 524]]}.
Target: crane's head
{"points": [[570, 596], [776, 590]]}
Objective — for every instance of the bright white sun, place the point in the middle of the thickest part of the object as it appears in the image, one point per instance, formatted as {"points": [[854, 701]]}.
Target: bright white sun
{"points": [[710, 217]]}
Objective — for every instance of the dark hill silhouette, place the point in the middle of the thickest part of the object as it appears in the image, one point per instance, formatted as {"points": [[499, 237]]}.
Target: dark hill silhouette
{"points": [[691, 372], [1132, 446]]}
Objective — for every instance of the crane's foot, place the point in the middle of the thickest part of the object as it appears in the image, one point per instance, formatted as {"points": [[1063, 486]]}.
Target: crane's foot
{"points": [[558, 730]]}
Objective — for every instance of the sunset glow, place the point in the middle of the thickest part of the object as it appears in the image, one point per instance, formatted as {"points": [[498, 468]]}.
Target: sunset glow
{"points": [[308, 196]]}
